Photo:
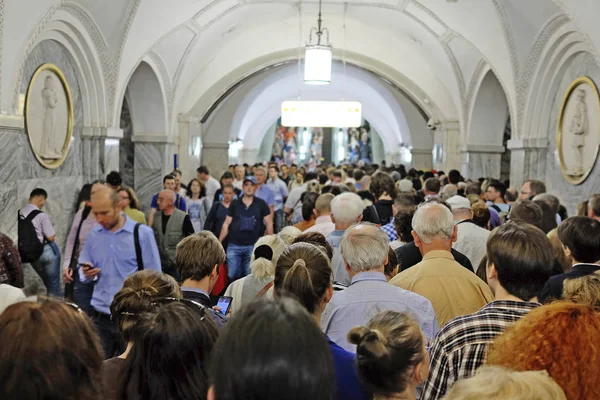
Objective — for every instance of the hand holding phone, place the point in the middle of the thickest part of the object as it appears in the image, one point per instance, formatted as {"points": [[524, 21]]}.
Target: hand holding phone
{"points": [[224, 304], [89, 271]]}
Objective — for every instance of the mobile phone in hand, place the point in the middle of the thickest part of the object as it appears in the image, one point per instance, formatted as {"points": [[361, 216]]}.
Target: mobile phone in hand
{"points": [[224, 303]]}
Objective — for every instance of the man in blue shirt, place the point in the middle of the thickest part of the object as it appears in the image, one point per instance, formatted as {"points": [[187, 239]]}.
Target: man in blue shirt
{"points": [[168, 184], [280, 190], [247, 220], [262, 190], [109, 257]]}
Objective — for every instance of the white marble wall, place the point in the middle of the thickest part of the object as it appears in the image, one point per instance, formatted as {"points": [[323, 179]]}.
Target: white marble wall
{"points": [[151, 164], [20, 172], [582, 64], [481, 164]]}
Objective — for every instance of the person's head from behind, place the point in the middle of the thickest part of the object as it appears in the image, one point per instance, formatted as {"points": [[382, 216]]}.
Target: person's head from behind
{"points": [[106, 207], [433, 227], [404, 201], [114, 180], [583, 209], [170, 357], [136, 296], [403, 224], [391, 268], [288, 234], [560, 337], [166, 200], [169, 182], [496, 191], [548, 217], [454, 177], [38, 197], [474, 189], [580, 237], [198, 258], [266, 252], [550, 200], [511, 195], [527, 211], [309, 200], [530, 188], [520, 260], [49, 350], [317, 239], [382, 184], [584, 290], [346, 210], [304, 273], [593, 207], [558, 250], [390, 354], [323, 204], [364, 247], [431, 187], [272, 350], [497, 383]]}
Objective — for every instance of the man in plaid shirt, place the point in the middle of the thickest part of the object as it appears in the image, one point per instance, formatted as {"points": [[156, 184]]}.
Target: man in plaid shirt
{"points": [[520, 261]]}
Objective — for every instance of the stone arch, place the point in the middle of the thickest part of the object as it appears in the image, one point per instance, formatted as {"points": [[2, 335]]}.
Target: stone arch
{"points": [[148, 105]]}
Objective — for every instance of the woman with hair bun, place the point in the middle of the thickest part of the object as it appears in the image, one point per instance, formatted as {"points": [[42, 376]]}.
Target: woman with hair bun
{"points": [[135, 298], [304, 273], [391, 355]]}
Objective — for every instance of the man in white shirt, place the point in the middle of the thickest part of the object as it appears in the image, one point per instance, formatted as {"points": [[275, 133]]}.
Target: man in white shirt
{"points": [[210, 183], [240, 174], [471, 239], [323, 224]]}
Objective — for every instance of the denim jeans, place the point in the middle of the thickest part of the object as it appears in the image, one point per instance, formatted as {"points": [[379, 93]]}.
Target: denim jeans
{"points": [[238, 261], [112, 342], [82, 294], [279, 220], [48, 268]]}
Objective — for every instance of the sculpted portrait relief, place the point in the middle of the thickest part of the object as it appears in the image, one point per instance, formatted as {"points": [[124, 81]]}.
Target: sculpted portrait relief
{"points": [[49, 116], [578, 136]]}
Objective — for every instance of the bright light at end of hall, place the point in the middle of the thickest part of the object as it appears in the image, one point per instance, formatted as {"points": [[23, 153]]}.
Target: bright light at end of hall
{"points": [[325, 114], [317, 59]]}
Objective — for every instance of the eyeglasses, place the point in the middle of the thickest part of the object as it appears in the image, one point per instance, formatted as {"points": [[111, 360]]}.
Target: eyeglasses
{"points": [[167, 300]]}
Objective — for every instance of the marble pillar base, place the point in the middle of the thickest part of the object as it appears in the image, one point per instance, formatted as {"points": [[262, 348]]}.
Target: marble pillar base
{"points": [[422, 159], [481, 165]]}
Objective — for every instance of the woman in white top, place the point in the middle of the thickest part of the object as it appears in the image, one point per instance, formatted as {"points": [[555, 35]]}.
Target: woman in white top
{"points": [[262, 266], [195, 199]]}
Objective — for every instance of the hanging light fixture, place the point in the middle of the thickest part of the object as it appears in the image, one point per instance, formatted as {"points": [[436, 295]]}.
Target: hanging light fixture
{"points": [[317, 60]]}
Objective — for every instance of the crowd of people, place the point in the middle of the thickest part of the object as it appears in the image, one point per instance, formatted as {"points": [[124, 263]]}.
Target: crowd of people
{"points": [[355, 282]]}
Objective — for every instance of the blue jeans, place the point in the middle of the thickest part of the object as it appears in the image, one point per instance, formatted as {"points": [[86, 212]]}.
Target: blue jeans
{"points": [[48, 268], [238, 261], [279, 220], [82, 294]]}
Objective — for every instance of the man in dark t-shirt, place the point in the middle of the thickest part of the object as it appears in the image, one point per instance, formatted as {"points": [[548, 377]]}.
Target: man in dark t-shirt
{"points": [[247, 220]]}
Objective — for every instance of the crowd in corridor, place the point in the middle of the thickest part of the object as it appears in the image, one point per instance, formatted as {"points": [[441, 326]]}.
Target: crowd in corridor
{"points": [[286, 282]]}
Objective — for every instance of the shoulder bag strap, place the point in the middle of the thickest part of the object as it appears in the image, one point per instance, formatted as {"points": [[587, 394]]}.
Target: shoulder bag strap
{"points": [[32, 215], [265, 289], [84, 215], [138, 247]]}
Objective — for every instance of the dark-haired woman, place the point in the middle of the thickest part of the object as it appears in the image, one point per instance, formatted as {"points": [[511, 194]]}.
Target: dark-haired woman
{"points": [[391, 356], [271, 350], [304, 273], [196, 201], [384, 190]]}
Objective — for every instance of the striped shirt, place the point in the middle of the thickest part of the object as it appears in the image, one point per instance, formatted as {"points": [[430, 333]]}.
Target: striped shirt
{"points": [[460, 347]]}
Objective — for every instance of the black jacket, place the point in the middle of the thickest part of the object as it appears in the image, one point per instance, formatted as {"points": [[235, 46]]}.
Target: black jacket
{"points": [[554, 287], [219, 319], [409, 255]]}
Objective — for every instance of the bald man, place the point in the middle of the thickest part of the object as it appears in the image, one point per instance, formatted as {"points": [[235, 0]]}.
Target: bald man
{"points": [[109, 257], [170, 227]]}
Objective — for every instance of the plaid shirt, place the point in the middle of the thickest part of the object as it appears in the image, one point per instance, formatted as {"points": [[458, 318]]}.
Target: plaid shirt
{"points": [[460, 347], [390, 230]]}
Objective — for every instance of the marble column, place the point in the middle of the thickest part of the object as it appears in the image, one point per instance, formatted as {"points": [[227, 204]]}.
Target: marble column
{"points": [[152, 161], [481, 161], [448, 137], [216, 157], [527, 160], [422, 158], [10, 130], [248, 156], [190, 145]]}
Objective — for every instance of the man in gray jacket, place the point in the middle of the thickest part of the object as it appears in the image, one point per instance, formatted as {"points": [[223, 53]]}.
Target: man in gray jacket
{"points": [[170, 226]]}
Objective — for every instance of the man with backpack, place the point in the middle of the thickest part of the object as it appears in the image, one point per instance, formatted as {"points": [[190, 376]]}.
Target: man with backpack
{"points": [[36, 242], [116, 248]]}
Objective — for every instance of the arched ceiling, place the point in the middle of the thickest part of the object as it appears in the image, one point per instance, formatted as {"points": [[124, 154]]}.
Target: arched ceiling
{"points": [[430, 48]]}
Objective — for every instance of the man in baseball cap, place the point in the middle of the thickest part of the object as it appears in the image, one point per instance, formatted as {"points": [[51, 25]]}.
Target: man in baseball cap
{"points": [[248, 218], [471, 239]]}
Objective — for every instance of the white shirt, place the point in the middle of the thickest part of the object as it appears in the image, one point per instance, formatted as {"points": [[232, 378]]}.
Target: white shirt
{"points": [[238, 184], [322, 225], [471, 242], [10, 295], [211, 185]]}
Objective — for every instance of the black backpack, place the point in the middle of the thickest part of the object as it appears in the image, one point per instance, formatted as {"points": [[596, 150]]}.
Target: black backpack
{"points": [[30, 247]]}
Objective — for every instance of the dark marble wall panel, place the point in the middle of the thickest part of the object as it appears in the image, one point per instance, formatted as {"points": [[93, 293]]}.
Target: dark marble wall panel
{"points": [[126, 148]]}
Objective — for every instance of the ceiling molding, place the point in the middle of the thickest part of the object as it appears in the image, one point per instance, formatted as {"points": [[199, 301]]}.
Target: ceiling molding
{"points": [[508, 36]]}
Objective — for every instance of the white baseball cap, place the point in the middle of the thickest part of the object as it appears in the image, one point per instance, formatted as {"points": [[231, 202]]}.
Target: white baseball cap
{"points": [[458, 202]]}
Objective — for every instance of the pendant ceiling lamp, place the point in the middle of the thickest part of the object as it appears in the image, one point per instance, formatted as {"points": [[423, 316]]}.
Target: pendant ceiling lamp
{"points": [[317, 60]]}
